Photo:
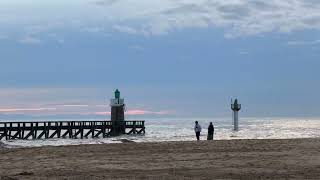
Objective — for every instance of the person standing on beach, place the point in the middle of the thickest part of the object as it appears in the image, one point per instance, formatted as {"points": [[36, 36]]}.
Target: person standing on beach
{"points": [[197, 130], [210, 131]]}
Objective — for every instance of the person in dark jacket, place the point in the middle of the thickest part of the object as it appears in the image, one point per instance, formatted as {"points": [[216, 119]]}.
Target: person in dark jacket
{"points": [[197, 130], [210, 131]]}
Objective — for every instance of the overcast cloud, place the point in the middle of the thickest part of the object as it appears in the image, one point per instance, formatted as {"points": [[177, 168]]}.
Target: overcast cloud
{"points": [[145, 17]]}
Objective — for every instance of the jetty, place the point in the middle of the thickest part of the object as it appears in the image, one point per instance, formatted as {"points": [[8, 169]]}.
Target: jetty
{"points": [[75, 129], [66, 129]]}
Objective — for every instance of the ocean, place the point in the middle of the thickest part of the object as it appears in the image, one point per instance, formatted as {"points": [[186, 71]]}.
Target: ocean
{"points": [[181, 129]]}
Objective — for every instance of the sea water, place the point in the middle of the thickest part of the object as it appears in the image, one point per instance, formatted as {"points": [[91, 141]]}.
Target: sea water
{"points": [[181, 129]]}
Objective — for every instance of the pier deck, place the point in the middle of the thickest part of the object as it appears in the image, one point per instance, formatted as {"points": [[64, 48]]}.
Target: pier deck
{"points": [[66, 129]]}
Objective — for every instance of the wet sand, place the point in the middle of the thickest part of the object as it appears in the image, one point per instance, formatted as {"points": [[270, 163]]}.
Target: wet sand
{"points": [[235, 159]]}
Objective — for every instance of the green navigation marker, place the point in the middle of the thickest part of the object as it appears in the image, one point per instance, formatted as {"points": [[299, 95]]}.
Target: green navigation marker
{"points": [[117, 94]]}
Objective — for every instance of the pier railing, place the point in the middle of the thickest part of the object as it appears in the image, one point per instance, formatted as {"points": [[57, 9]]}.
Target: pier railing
{"points": [[66, 129]]}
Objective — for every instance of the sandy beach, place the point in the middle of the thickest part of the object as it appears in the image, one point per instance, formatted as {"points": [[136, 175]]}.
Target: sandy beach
{"points": [[233, 159]]}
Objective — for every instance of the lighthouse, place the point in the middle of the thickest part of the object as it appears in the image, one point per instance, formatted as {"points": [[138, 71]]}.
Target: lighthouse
{"points": [[235, 108], [117, 114]]}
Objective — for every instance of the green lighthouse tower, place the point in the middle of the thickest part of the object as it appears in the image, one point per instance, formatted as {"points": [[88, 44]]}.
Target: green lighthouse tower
{"points": [[235, 108], [117, 114]]}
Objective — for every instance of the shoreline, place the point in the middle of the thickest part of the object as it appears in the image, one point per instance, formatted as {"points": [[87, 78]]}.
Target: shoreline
{"points": [[125, 141], [231, 159]]}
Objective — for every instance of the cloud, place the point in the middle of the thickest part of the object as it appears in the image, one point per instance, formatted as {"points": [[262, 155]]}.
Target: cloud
{"points": [[127, 29], [75, 105], [30, 40], [243, 52], [56, 38], [3, 37], [33, 32], [144, 17], [235, 17], [64, 101], [10, 110], [93, 29], [137, 112], [145, 112], [137, 48], [302, 43], [105, 2], [103, 113], [61, 41]]}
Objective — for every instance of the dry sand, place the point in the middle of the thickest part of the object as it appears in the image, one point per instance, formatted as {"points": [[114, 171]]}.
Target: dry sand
{"points": [[238, 159]]}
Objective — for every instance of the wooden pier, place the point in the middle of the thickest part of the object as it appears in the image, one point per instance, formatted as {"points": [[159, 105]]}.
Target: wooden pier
{"points": [[67, 129]]}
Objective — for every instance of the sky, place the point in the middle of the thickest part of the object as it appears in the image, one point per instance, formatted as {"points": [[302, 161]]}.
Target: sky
{"points": [[169, 58]]}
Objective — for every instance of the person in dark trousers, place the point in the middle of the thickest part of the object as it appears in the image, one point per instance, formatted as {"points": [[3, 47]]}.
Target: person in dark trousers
{"points": [[197, 130], [210, 131]]}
